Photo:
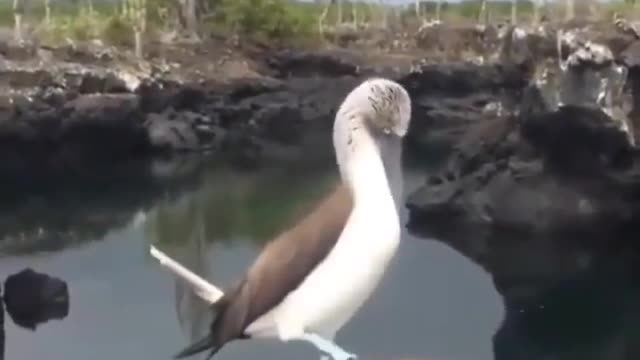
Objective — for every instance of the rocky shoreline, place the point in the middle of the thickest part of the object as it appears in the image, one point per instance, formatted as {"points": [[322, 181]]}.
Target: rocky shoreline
{"points": [[510, 111], [561, 160], [71, 117], [69, 107]]}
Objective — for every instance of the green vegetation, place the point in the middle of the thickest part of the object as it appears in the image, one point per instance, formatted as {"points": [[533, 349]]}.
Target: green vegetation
{"points": [[267, 20], [470, 10], [116, 21], [259, 19]]}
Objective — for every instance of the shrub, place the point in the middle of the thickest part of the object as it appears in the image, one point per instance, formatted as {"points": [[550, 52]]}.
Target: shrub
{"points": [[76, 27], [268, 19], [117, 31]]}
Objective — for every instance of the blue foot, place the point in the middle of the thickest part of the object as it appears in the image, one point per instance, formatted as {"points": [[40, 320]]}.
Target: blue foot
{"points": [[344, 356], [341, 356], [329, 348]]}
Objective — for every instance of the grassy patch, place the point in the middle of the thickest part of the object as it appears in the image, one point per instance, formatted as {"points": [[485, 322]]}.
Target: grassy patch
{"points": [[270, 21]]}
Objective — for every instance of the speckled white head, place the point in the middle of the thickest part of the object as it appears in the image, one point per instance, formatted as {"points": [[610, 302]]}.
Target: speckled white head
{"points": [[382, 104], [373, 118]]}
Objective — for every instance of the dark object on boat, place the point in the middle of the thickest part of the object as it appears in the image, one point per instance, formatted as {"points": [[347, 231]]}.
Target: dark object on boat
{"points": [[33, 298]]}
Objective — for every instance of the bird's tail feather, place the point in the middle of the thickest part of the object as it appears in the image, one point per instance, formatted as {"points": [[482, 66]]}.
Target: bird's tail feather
{"points": [[199, 346], [208, 341]]}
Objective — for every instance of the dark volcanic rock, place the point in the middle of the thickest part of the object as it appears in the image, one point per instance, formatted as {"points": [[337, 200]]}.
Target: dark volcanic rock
{"points": [[631, 59], [560, 154], [172, 134], [51, 114], [68, 118], [448, 99], [70, 115], [307, 64], [280, 122], [89, 129], [578, 141], [550, 172]]}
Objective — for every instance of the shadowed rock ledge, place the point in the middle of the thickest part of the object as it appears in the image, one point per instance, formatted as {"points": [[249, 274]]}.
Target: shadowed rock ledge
{"points": [[562, 157], [66, 109], [543, 124], [71, 117]]}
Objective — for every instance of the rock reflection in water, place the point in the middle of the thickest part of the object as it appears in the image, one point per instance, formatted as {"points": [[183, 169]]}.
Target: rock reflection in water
{"points": [[590, 315], [54, 213], [565, 297], [31, 299]]}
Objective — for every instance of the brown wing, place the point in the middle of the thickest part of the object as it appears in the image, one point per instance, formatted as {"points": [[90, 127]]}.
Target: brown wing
{"points": [[282, 266]]}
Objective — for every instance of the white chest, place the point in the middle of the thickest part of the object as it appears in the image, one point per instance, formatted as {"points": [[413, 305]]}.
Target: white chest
{"points": [[340, 284]]}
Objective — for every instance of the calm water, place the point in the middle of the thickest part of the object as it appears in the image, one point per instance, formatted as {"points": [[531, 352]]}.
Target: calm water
{"points": [[434, 304]]}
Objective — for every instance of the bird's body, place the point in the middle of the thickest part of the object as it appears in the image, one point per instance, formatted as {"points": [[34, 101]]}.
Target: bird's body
{"points": [[310, 280]]}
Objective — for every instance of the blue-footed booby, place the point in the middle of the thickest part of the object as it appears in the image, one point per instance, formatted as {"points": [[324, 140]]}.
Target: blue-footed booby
{"points": [[311, 279]]}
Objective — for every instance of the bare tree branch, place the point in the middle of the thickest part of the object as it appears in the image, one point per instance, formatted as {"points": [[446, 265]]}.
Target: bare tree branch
{"points": [[47, 12], [18, 12], [570, 10]]}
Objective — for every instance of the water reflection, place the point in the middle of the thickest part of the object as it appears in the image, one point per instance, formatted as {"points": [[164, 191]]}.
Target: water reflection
{"points": [[124, 301], [229, 207], [592, 314], [51, 214], [204, 228], [566, 296], [234, 206], [570, 297]]}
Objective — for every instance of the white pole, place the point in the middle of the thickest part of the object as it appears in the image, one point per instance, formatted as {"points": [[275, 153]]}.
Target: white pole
{"points": [[201, 287]]}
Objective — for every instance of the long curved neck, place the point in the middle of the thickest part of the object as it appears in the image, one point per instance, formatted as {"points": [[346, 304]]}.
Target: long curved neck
{"points": [[362, 167]]}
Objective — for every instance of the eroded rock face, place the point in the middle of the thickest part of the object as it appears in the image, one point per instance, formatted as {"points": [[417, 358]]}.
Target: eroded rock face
{"points": [[71, 116], [539, 173], [33, 298], [562, 155], [83, 132], [544, 108], [310, 64], [448, 99]]}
